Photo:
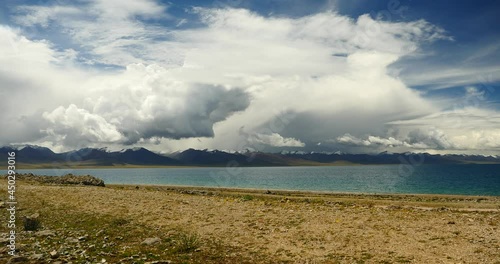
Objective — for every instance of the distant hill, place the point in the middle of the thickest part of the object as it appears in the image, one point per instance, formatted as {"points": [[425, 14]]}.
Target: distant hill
{"points": [[36, 156], [88, 156], [142, 156], [208, 158]]}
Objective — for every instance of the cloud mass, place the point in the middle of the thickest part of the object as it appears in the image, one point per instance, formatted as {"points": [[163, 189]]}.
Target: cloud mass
{"points": [[144, 103], [122, 74]]}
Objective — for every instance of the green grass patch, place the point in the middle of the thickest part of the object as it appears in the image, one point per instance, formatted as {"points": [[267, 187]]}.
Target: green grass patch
{"points": [[247, 197]]}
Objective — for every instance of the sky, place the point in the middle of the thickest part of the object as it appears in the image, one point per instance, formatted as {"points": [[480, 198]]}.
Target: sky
{"points": [[352, 76]]}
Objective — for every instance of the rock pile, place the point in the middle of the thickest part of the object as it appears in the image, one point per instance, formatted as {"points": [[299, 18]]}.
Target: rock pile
{"points": [[66, 179]]}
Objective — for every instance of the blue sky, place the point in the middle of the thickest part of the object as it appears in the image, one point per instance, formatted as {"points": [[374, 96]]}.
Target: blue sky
{"points": [[355, 76]]}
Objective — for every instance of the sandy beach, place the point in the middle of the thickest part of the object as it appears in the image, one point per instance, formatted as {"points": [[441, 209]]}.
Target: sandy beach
{"points": [[162, 224]]}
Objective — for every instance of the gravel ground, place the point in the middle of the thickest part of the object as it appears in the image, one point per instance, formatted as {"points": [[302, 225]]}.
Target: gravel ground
{"points": [[152, 224]]}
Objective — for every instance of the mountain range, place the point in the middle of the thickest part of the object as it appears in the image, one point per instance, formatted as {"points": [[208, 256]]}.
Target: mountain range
{"points": [[44, 157]]}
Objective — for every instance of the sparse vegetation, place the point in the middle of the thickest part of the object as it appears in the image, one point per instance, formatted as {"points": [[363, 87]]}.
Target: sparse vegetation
{"points": [[247, 197], [120, 221], [187, 242]]}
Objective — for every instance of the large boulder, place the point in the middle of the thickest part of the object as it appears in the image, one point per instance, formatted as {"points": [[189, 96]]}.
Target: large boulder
{"points": [[66, 179]]}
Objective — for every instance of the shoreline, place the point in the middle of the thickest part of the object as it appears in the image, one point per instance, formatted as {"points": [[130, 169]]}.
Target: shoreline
{"points": [[385, 187], [297, 192], [303, 192]]}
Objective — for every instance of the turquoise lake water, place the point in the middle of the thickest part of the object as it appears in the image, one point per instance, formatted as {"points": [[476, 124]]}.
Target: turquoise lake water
{"points": [[470, 179]]}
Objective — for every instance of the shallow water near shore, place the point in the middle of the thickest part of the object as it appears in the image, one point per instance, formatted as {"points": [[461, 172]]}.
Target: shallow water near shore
{"points": [[466, 179]]}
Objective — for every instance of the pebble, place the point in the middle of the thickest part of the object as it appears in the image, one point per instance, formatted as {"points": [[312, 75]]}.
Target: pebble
{"points": [[54, 254], [72, 240], [36, 256], [151, 241], [45, 233]]}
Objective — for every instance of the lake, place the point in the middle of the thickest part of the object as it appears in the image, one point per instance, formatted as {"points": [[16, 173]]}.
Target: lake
{"points": [[468, 179]]}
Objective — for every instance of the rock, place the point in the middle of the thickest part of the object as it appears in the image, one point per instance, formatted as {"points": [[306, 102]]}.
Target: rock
{"points": [[34, 216], [32, 222], [158, 262], [72, 240], [451, 222], [2, 204], [54, 254], [151, 241], [45, 233], [83, 238], [36, 256]]}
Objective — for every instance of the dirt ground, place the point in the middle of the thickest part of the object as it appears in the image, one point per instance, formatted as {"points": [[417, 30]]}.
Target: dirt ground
{"points": [[87, 224]]}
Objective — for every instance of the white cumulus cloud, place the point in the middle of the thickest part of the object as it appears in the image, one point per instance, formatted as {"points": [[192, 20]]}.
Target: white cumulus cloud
{"points": [[290, 81], [275, 140]]}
